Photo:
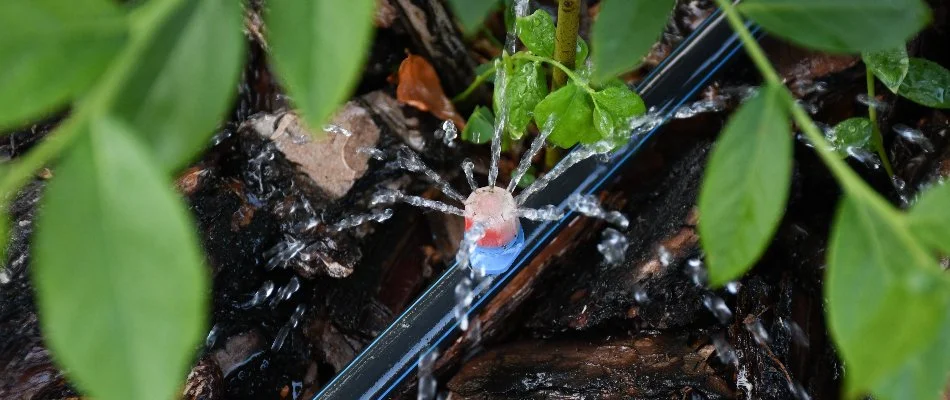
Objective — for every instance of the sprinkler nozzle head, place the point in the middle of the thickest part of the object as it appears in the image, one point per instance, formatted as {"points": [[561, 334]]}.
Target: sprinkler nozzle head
{"points": [[495, 209]]}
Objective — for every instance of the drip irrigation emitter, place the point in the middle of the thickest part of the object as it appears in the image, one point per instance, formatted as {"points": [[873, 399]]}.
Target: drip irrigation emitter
{"points": [[429, 323]]}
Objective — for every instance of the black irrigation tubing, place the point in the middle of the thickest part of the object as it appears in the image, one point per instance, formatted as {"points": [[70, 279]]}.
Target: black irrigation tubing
{"points": [[428, 324]]}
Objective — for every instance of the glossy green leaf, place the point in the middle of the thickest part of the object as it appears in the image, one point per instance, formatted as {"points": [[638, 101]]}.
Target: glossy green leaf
{"points": [[888, 304], [571, 108], [523, 88], [536, 31], [888, 65], [840, 26], [51, 51], [528, 178], [582, 52], [744, 192], [614, 106], [184, 79], [852, 132], [480, 126], [471, 13], [318, 49], [930, 218], [118, 270], [927, 83], [624, 32]]}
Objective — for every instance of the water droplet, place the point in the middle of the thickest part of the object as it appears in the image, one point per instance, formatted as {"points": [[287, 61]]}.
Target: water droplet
{"points": [[871, 102], [718, 307], [914, 136], [613, 245], [725, 351], [758, 332], [339, 130], [665, 257]]}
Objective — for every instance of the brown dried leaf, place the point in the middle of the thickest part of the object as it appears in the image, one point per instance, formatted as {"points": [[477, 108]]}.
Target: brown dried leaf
{"points": [[419, 87]]}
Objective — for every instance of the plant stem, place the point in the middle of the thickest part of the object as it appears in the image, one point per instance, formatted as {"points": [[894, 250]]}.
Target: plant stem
{"points": [[875, 128], [848, 179], [565, 43], [480, 79], [559, 67]]}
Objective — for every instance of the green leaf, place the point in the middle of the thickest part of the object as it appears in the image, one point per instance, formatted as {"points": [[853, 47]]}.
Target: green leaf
{"points": [[582, 51], [536, 31], [930, 218], [840, 26], [746, 186], [318, 49], [528, 178], [927, 83], [852, 132], [888, 65], [624, 32], [613, 108], [480, 126], [471, 13], [888, 304], [52, 51], [571, 108], [184, 79], [523, 88], [118, 269]]}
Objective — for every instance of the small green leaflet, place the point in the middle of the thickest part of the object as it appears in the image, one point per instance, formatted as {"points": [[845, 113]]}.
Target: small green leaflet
{"points": [[927, 83], [852, 132], [624, 32], [536, 31], [614, 106], [744, 192], [572, 108], [523, 88], [888, 303], [930, 218], [480, 126], [51, 51], [888, 65], [183, 78], [840, 26], [317, 63], [471, 13], [119, 273]]}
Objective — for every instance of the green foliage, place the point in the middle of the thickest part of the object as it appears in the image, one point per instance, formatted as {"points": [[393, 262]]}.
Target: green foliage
{"points": [[930, 219], [524, 87], [53, 51], [571, 108], [921, 81], [318, 64], [888, 303], [889, 65], [581, 113], [853, 132], [120, 279], [471, 13], [927, 83], [614, 107], [888, 299], [118, 270], [182, 80], [840, 26], [480, 126], [624, 33], [746, 186], [536, 31]]}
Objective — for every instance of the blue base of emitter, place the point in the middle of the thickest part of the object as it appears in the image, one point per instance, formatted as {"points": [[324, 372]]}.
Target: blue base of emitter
{"points": [[495, 260]]}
